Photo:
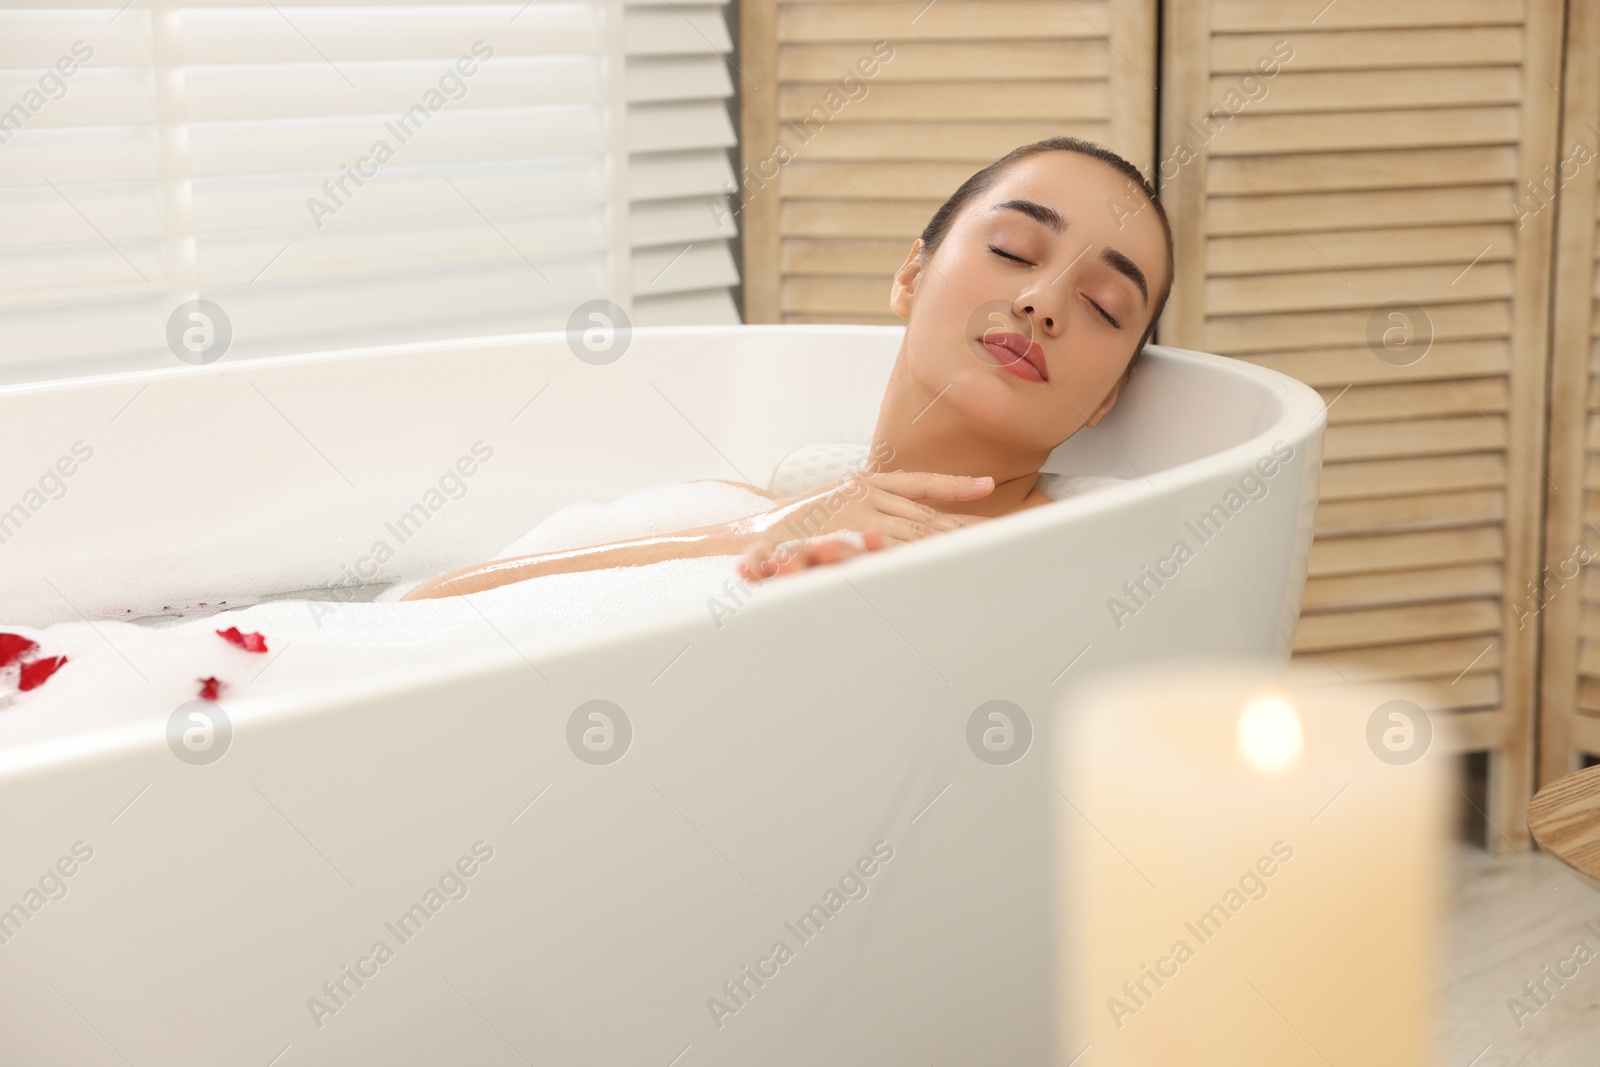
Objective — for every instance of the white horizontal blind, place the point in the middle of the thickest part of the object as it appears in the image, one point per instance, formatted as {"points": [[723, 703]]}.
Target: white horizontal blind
{"points": [[81, 221], [679, 133], [341, 174]]}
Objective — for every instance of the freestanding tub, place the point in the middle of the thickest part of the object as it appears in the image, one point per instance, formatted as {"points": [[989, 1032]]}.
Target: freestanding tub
{"points": [[819, 836]]}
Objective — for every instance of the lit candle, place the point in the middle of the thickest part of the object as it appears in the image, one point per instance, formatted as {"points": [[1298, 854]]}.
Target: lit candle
{"points": [[1247, 874]]}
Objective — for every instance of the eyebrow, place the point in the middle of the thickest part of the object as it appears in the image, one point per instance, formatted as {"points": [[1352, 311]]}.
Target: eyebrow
{"points": [[1125, 266], [1045, 216], [1111, 257]]}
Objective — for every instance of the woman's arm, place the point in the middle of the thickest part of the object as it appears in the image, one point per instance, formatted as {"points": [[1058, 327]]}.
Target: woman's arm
{"points": [[717, 539], [887, 505]]}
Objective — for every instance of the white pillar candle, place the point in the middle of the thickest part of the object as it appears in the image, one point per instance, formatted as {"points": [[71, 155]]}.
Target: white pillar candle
{"points": [[1246, 874]]}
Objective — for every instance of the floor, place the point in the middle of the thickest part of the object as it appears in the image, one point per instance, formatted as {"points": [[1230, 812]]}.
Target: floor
{"points": [[1513, 916]]}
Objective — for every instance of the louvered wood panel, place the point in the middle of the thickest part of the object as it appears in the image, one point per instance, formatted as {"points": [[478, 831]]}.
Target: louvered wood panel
{"points": [[1377, 163], [967, 82], [1570, 680]]}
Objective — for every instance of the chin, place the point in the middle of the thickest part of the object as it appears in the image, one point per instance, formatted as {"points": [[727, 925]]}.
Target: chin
{"points": [[994, 407]]}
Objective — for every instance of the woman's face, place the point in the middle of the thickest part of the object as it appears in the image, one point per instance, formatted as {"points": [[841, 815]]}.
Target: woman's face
{"points": [[1058, 264]]}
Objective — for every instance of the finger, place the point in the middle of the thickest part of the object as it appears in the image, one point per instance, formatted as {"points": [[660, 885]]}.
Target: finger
{"points": [[767, 561], [929, 485], [762, 561], [904, 531], [893, 504], [751, 569], [828, 550], [883, 534]]}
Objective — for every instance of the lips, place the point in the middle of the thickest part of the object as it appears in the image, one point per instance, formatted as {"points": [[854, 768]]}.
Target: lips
{"points": [[1020, 355]]}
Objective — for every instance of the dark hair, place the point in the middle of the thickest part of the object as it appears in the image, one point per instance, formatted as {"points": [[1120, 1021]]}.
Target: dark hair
{"points": [[933, 234]]}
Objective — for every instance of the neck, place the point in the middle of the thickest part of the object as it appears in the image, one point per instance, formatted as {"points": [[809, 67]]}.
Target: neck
{"points": [[927, 433]]}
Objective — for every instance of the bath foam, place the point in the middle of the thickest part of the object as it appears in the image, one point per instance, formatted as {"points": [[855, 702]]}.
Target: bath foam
{"points": [[120, 672]]}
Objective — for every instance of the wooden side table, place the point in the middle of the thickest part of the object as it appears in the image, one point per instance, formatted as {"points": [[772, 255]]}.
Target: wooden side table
{"points": [[1565, 819]]}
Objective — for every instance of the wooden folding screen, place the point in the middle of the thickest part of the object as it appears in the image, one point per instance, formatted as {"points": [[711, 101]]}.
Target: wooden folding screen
{"points": [[1568, 589], [1349, 220], [840, 177]]}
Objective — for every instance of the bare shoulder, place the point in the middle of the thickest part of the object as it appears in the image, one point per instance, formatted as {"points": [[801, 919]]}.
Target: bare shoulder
{"points": [[741, 485]]}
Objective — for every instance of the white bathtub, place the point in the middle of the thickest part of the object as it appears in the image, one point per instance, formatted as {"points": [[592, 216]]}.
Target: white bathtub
{"points": [[769, 755]]}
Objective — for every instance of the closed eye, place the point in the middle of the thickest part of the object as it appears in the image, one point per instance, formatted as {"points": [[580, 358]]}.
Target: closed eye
{"points": [[1105, 316], [1003, 254]]}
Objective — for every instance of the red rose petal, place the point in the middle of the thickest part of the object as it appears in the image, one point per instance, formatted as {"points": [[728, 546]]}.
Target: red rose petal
{"points": [[209, 688], [248, 642], [13, 647], [38, 672]]}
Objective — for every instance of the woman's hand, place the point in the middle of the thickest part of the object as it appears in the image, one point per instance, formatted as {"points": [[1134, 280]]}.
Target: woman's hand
{"points": [[789, 557], [880, 510]]}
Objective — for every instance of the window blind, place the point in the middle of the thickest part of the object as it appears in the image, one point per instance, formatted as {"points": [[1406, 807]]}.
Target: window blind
{"points": [[679, 133], [330, 175]]}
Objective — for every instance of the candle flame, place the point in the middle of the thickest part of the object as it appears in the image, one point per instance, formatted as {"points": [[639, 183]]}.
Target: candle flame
{"points": [[1269, 734]]}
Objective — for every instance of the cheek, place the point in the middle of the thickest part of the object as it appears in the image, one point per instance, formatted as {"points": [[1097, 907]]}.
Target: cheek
{"points": [[1090, 368], [1101, 351], [950, 309]]}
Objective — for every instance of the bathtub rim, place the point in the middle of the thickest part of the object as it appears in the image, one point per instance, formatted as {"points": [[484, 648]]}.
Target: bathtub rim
{"points": [[497, 340], [1274, 379]]}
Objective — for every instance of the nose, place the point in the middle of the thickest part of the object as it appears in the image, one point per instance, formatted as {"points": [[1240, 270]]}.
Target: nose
{"points": [[1030, 309], [1039, 305]]}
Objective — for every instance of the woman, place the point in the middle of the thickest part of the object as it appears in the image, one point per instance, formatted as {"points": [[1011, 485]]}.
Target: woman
{"points": [[1026, 298]]}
